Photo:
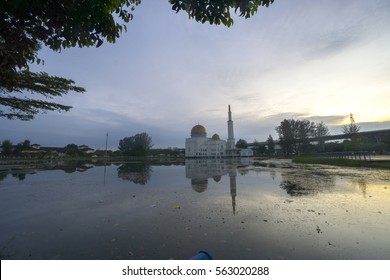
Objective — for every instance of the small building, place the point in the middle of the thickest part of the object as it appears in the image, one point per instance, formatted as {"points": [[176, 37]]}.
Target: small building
{"points": [[246, 153], [85, 149]]}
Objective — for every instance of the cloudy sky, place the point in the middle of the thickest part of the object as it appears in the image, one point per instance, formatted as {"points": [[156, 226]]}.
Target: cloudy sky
{"points": [[303, 59]]}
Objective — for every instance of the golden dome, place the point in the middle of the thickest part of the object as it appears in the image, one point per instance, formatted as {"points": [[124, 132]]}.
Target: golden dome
{"points": [[198, 131], [199, 185], [215, 137], [217, 178]]}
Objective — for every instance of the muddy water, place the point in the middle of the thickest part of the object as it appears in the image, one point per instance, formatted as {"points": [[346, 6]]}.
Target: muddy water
{"points": [[233, 210]]}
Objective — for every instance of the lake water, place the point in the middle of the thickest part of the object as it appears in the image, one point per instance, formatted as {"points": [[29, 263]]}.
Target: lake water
{"points": [[233, 210]]}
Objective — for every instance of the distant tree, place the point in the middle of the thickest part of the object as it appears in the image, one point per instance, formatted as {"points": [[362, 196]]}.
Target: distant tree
{"points": [[137, 145], [294, 135], [72, 150], [7, 148], [26, 144], [20, 147], [271, 145], [242, 144], [321, 130], [261, 150], [350, 128]]}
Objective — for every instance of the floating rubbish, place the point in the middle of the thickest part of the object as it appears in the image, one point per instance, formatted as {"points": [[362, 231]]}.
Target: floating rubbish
{"points": [[153, 205], [176, 206]]}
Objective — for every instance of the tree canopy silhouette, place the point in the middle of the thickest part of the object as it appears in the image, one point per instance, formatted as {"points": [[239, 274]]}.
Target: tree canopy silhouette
{"points": [[218, 11], [25, 26]]}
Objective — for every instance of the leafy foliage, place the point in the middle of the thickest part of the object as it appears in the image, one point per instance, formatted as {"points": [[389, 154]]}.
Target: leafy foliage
{"points": [[242, 144], [294, 135], [26, 25], [72, 150], [271, 144], [351, 128], [321, 130], [18, 106], [218, 11], [58, 24], [6, 147], [137, 145]]}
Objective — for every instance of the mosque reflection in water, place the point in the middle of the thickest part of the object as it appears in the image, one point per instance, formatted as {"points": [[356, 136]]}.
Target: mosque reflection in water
{"points": [[200, 171]]}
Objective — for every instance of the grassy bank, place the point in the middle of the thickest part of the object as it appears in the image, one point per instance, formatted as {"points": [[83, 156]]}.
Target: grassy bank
{"points": [[342, 162]]}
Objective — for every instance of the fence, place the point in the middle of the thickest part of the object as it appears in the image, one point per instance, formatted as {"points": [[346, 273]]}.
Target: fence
{"points": [[355, 155]]}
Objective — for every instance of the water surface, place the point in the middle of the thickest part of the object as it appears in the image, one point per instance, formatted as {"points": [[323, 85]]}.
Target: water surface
{"points": [[233, 210]]}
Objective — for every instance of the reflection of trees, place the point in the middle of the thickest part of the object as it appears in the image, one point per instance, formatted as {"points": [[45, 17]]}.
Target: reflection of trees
{"points": [[138, 173], [361, 184], [20, 176], [3, 176], [306, 182], [74, 165], [273, 174]]}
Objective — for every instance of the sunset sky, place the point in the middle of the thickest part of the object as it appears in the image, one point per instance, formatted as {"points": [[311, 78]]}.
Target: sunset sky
{"points": [[303, 59]]}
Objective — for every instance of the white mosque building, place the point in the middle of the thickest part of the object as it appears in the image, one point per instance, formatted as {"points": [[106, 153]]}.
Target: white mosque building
{"points": [[199, 145]]}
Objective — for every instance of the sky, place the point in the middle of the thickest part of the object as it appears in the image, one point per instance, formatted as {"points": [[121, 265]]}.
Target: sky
{"points": [[301, 59]]}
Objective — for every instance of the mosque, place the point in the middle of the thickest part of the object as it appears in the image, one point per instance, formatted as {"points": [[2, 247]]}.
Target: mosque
{"points": [[201, 146], [201, 170]]}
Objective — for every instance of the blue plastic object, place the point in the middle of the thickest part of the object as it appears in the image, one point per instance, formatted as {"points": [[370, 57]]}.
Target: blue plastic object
{"points": [[202, 255]]}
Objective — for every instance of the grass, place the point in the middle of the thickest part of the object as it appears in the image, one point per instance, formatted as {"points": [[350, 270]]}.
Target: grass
{"points": [[342, 162]]}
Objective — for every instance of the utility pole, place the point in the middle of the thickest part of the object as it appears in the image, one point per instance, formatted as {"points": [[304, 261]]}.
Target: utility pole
{"points": [[106, 142]]}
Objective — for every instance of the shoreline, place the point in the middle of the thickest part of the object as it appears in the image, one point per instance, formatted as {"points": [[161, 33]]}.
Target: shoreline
{"points": [[379, 163]]}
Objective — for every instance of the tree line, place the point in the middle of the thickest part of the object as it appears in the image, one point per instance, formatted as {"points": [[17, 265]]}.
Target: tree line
{"points": [[137, 145], [294, 135], [294, 138], [25, 149]]}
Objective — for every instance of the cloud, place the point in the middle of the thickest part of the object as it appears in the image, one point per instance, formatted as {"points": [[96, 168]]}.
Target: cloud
{"points": [[319, 60]]}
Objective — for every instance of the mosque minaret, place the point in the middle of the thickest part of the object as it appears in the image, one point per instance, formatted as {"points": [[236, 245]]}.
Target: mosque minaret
{"points": [[231, 143], [233, 189]]}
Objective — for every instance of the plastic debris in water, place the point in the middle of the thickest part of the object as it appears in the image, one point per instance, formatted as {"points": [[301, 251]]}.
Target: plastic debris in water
{"points": [[176, 206]]}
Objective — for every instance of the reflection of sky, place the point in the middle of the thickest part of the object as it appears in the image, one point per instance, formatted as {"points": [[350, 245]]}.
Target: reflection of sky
{"points": [[53, 214], [296, 59]]}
